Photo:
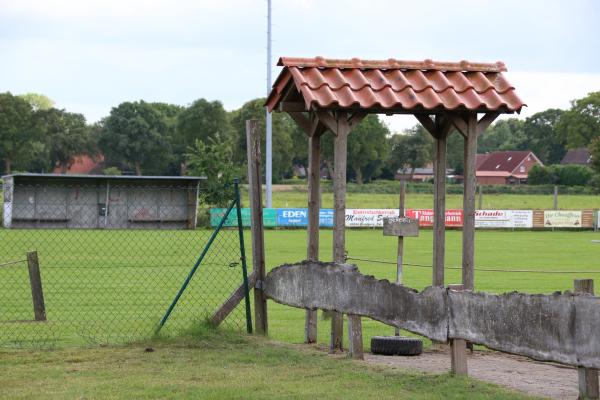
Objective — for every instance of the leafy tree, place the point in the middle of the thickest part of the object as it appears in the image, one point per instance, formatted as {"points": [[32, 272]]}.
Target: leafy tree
{"points": [[113, 171], [581, 123], [367, 149], [38, 101], [66, 135], [505, 134], [285, 137], [412, 149], [19, 131], [542, 137], [202, 120], [213, 160], [595, 152], [539, 175], [136, 133], [567, 175]]}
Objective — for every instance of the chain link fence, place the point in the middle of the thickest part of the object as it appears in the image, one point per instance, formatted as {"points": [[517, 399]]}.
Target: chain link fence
{"points": [[112, 255]]}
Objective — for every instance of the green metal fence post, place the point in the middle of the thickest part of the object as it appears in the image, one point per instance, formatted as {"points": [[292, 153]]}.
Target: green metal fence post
{"points": [[243, 255], [196, 265]]}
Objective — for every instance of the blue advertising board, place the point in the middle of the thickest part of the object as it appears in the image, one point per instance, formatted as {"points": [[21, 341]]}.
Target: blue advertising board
{"points": [[326, 218], [292, 217]]}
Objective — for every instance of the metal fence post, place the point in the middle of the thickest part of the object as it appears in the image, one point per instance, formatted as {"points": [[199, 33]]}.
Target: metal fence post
{"points": [[243, 255]]}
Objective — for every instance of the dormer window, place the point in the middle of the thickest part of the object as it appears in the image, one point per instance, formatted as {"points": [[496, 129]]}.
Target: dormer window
{"points": [[509, 158], [498, 166]]}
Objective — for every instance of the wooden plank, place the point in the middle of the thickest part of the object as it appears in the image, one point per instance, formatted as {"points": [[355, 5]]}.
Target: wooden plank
{"points": [[336, 341], [302, 120], [37, 293], [229, 305], [314, 205], [355, 345], [258, 240], [588, 377], [400, 251], [458, 348], [329, 120], [468, 243], [439, 209]]}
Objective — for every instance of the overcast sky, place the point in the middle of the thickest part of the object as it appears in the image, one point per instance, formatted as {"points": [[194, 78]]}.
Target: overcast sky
{"points": [[91, 55]]}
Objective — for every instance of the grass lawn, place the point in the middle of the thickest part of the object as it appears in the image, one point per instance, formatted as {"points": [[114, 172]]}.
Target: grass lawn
{"points": [[298, 198], [218, 365]]}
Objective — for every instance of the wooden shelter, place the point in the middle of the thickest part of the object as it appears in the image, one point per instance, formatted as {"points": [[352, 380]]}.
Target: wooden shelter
{"points": [[335, 95]]}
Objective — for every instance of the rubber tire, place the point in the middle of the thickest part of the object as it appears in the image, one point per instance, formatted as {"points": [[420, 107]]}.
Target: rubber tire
{"points": [[396, 346]]}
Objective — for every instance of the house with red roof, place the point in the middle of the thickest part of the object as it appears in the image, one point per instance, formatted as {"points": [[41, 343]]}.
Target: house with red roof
{"points": [[82, 165], [505, 167]]}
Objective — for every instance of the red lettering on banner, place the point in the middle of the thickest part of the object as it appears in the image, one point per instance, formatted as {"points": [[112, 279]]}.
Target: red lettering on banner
{"points": [[454, 218]]}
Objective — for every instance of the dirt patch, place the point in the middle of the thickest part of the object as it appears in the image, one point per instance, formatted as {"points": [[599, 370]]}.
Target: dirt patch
{"points": [[514, 372]]}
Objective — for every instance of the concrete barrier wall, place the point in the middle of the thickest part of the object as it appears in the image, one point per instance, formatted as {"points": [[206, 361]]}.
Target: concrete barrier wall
{"points": [[564, 328]]}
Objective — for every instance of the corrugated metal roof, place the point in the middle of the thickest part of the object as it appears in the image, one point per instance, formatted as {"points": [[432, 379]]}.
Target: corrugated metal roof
{"points": [[394, 85], [505, 161], [105, 177]]}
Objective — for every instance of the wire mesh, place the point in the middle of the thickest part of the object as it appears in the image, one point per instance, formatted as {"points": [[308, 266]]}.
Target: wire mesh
{"points": [[111, 260]]}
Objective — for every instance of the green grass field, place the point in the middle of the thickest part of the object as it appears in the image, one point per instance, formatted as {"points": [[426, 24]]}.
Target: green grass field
{"points": [[218, 365], [298, 198], [98, 283]]}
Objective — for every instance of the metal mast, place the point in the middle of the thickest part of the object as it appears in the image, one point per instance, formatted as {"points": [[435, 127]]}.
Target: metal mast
{"points": [[269, 155]]}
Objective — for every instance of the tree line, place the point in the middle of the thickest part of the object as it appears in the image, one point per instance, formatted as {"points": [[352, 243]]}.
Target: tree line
{"points": [[203, 138]]}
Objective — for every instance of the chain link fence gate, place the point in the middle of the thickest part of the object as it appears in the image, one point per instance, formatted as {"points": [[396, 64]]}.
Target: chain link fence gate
{"points": [[101, 262]]}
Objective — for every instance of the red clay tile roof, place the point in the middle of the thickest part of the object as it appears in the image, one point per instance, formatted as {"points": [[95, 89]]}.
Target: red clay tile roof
{"points": [[503, 161], [394, 85]]}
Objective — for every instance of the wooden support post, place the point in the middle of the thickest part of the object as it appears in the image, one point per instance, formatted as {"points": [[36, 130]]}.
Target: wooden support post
{"points": [[400, 253], [439, 210], [258, 240], [314, 205], [355, 346], [340, 155], [468, 243], [458, 348], [588, 377], [37, 293]]}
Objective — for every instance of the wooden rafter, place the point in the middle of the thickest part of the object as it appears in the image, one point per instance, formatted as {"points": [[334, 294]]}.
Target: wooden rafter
{"points": [[486, 121]]}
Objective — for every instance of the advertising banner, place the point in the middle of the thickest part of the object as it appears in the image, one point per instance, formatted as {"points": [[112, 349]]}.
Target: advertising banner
{"points": [[326, 218], [503, 219], [562, 219], [368, 217], [454, 218], [292, 217], [269, 217]]}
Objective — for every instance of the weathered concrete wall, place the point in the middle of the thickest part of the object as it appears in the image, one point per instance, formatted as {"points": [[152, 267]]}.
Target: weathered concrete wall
{"points": [[560, 327], [342, 288]]}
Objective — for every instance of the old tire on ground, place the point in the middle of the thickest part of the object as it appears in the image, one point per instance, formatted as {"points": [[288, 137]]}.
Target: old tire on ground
{"points": [[396, 346]]}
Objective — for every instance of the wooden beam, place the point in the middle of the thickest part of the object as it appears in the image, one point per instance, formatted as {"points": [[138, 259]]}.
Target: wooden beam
{"points": [[328, 120], [458, 348], [302, 120], [314, 205], [356, 118], [340, 155], [439, 208], [289, 106], [229, 305], [258, 239], [427, 123], [459, 123], [470, 183], [486, 121]]}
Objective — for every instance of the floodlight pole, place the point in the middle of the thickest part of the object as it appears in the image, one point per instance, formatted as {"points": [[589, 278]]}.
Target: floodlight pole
{"points": [[269, 141]]}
